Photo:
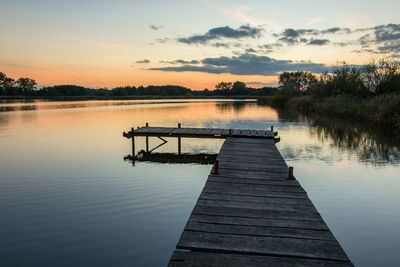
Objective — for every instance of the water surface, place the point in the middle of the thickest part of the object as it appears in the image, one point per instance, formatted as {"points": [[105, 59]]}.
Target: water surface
{"points": [[68, 197]]}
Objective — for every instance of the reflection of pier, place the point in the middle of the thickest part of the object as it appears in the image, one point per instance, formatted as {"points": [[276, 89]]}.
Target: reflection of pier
{"points": [[251, 211], [173, 158]]}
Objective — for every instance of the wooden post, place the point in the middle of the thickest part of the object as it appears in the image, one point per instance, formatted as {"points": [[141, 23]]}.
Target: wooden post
{"points": [[179, 141], [147, 144], [230, 132], [272, 128], [216, 167], [290, 176], [133, 145]]}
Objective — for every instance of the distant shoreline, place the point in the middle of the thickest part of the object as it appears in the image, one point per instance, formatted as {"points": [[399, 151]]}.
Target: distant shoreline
{"points": [[150, 97]]}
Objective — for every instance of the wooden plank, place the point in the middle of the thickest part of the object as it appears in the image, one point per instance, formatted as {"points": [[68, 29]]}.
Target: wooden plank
{"points": [[165, 130], [177, 131], [244, 150], [216, 131], [249, 140], [253, 175], [258, 230], [245, 133], [143, 129], [225, 132], [318, 249], [267, 177], [275, 207], [253, 166], [229, 169], [255, 199], [189, 130], [262, 133], [205, 131], [242, 146], [241, 180], [236, 132], [254, 133], [257, 160], [259, 193], [246, 146], [254, 213], [266, 222], [214, 259], [248, 153], [256, 187]]}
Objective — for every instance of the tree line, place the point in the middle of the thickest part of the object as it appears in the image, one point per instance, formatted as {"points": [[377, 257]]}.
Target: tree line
{"points": [[28, 87], [374, 79]]}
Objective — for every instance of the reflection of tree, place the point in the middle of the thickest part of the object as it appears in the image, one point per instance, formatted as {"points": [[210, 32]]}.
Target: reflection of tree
{"points": [[371, 144], [4, 120], [236, 106], [15, 108]]}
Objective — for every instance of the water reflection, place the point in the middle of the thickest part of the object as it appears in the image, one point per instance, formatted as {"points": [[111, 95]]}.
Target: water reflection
{"points": [[25, 105], [172, 158], [67, 196], [371, 144], [228, 107]]}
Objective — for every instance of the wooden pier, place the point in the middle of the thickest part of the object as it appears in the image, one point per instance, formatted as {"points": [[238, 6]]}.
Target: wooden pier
{"points": [[251, 211]]}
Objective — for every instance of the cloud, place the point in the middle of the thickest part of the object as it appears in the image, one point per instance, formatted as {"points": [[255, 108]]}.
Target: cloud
{"points": [[144, 61], [155, 27], [382, 39], [244, 31], [248, 64], [319, 42], [390, 32], [297, 36], [163, 40], [220, 44], [250, 50], [181, 61]]}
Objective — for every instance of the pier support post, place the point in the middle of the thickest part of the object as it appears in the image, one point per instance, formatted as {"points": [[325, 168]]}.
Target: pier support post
{"points": [[272, 128], [133, 146], [147, 140], [179, 141], [290, 175]]}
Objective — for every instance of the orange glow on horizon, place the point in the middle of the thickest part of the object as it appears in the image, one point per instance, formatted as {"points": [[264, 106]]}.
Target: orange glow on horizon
{"points": [[90, 76]]}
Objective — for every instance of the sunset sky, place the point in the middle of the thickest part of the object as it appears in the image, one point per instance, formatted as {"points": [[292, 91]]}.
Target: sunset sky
{"points": [[104, 43]]}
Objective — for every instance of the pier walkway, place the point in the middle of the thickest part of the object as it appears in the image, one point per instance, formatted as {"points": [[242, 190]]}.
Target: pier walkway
{"points": [[251, 211]]}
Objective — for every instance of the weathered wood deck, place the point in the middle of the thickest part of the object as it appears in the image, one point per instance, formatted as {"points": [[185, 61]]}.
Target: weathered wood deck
{"points": [[198, 132], [250, 214]]}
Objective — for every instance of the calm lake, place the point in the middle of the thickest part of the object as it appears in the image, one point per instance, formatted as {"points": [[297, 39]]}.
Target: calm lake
{"points": [[68, 197]]}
